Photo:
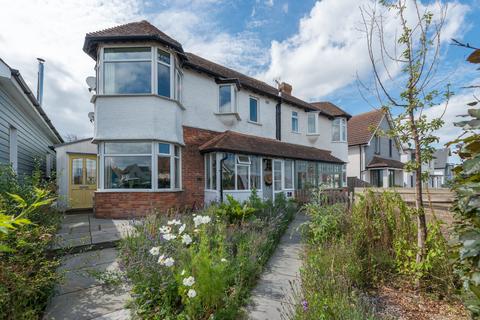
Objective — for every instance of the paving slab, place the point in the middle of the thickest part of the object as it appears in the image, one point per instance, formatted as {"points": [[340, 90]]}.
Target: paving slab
{"points": [[274, 288]]}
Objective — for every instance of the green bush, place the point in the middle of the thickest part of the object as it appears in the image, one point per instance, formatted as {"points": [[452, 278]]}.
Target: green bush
{"points": [[27, 273], [222, 259], [235, 211]]}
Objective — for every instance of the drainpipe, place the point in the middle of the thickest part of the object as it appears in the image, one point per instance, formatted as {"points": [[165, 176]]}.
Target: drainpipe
{"points": [[225, 157]]}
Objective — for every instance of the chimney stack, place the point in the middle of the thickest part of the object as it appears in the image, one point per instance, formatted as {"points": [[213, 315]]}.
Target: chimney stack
{"points": [[285, 88], [40, 80]]}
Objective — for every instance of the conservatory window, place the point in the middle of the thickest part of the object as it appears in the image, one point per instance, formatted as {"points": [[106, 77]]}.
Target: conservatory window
{"points": [[288, 168], [241, 172], [210, 171], [127, 70], [255, 173]]}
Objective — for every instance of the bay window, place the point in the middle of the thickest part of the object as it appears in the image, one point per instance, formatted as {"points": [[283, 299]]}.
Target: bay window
{"points": [[312, 123], [163, 73], [133, 165], [339, 130], [127, 70], [226, 98]]}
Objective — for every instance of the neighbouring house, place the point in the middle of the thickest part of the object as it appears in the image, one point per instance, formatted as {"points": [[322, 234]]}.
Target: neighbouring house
{"points": [[176, 130], [26, 132], [439, 169], [373, 157]]}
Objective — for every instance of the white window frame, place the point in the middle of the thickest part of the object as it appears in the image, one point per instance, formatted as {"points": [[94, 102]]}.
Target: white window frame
{"points": [[315, 117], [292, 174], [171, 70], [154, 154], [209, 159], [245, 164], [13, 147], [258, 110], [233, 98], [295, 117], [342, 129]]}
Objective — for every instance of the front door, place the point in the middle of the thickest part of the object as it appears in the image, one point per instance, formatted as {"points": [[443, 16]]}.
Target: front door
{"points": [[267, 179], [83, 180]]}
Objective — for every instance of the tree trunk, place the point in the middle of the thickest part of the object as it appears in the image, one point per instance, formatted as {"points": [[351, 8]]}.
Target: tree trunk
{"points": [[421, 221]]}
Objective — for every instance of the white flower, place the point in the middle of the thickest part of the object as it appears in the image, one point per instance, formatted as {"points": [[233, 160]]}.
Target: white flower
{"points": [[186, 239], [168, 262], [223, 260], [206, 219], [191, 293], [169, 236], [182, 228], [155, 251], [188, 282], [174, 222], [183, 272], [165, 229], [199, 220], [161, 259]]}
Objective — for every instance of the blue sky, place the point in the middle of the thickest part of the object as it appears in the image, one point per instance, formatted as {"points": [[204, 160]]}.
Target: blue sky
{"points": [[317, 46]]}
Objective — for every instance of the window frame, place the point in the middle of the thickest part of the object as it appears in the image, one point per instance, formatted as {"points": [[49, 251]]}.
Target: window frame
{"points": [[294, 119], [315, 116], [154, 155], [156, 51], [233, 98], [237, 164], [341, 123], [257, 121], [376, 144]]}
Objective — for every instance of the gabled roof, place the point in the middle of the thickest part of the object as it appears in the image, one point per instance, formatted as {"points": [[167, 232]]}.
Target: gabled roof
{"points": [[33, 100], [359, 127], [378, 162], [231, 141], [330, 109], [134, 31]]}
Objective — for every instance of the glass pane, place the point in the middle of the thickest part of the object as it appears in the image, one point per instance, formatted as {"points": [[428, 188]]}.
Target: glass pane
{"points": [[242, 177], [311, 174], [336, 131], [77, 171], [127, 53], [243, 159], [207, 171], [127, 77], [301, 172], [177, 151], [228, 176], [131, 172], [255, 173], [312, 123], [163, 56], [164, 148], [214, 171], [277, 175], [91, 171], [163, 80], [164, 178], [225, 99], [177, 173], [253, 110], [288, 174], [128, 148]]}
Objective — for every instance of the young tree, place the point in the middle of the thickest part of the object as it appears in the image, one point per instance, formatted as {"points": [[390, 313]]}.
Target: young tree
{"points": [[416, 54]]}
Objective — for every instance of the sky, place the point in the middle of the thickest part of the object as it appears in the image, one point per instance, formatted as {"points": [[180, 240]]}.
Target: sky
{"points": [[317, 46]]}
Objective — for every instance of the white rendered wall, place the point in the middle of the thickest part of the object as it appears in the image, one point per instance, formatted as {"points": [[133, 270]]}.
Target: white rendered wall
{"points": [[354, 160], [85, 147]]}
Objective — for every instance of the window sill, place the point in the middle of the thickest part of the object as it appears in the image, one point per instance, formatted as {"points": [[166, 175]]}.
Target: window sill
{"points": [[254, 122], [296, 132], [225, 114], [313, 134], [339, 141], [94, 97]]}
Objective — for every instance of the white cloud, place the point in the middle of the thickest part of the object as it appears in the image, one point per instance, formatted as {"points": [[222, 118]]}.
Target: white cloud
{"points": [[329, 49], [285, 7], [269, 3]]}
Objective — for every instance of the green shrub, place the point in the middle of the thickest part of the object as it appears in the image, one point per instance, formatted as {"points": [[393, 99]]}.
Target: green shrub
{"points": [[224, 260], [235, 211]]}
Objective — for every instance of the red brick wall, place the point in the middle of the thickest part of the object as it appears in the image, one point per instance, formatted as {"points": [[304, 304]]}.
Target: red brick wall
{"points": [[135, 204]]}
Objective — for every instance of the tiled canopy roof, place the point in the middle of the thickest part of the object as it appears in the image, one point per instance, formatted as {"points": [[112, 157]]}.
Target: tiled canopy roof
{"points": [[359, 127], [378, 162], [134, 31], [330, 109], [230, 141]]}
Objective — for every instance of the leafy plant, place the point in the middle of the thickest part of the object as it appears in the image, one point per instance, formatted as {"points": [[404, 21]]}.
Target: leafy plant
{"points": [[233, 210]]}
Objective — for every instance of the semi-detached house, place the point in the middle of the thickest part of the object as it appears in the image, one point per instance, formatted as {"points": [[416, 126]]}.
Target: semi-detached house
{"points": [[176, 130]]}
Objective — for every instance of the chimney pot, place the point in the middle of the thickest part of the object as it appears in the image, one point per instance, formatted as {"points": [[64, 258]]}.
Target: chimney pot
{"points": [[285, 88]]}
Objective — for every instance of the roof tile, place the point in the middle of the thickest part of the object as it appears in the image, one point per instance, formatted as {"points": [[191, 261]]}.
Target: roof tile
{"points": [[330, 109], [359, 126]]}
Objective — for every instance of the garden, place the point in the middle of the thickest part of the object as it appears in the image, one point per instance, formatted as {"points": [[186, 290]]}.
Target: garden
{"points": [[202, 265], [28, 224]]}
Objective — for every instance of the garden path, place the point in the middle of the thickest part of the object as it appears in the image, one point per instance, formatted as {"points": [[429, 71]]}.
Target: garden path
{"points": [[275, 287], [81, 295]]}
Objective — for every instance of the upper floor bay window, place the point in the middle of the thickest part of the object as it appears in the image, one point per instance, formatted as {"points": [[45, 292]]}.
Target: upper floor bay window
{"points": [[133, 165], [339, 130], [253, 116], [312, 127], [226, 98], [294, 121], [163, 73], [127, 70]]}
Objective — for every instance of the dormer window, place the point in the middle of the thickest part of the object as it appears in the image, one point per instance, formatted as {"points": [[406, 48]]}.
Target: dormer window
{"points": [[127, 70], [163, 72]]}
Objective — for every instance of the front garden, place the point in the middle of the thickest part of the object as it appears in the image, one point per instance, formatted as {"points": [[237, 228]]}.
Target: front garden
{"points": [[202, 265]]}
